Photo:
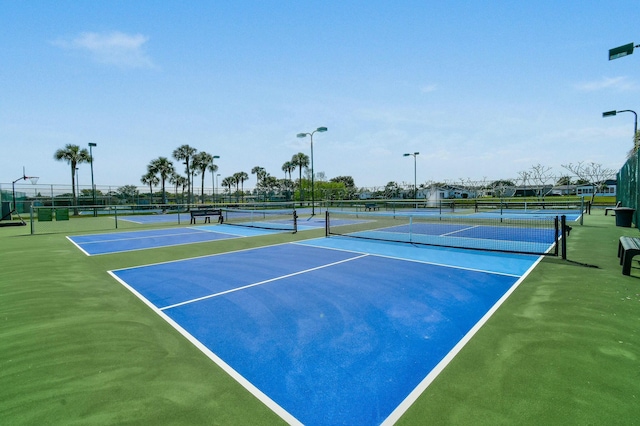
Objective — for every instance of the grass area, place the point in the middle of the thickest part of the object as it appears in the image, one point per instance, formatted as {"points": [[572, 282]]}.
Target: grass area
{"points": [[79, 348]]}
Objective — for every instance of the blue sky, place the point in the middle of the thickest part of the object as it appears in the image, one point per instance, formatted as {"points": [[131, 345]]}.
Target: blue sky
{"points": [[483, 90]]}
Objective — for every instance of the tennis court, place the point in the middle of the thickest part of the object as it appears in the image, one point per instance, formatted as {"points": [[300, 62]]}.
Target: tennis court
{"points": [[333, 330], [237, 223], [117, 242], [280, 218]]}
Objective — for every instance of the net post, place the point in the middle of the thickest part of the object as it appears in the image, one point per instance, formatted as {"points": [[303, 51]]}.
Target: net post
{"points": [[582, 211], [326, 223], [563, 221], [295, 221]]}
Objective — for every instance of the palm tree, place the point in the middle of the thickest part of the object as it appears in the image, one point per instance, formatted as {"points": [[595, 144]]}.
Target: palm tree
{"points": [[240, 177], [163, 167], [300, 160], [260, 173], [229, 182], [288, 167], [151, 179], [176, 180], [73, 155], [201, 161], [185, 153], [184, 184], [194, 172]]}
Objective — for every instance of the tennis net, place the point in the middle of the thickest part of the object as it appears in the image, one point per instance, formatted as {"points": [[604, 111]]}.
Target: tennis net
{"points": [[539, 236], [551, 207], [275, 219]]}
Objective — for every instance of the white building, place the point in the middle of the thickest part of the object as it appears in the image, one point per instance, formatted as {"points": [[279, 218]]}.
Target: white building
{"points": [[609, 189]]}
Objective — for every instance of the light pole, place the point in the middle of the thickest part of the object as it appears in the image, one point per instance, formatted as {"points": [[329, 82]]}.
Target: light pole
{"points": [[303, 135], [614, 112], [93, 186], [213, 170], [615, 53], [635, 144], [415, 180], [216, 190]]}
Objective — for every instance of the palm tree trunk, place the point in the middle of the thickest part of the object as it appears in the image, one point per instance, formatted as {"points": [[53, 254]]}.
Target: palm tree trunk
{"points": [[164, 197], [300, 186], [202, 189]]}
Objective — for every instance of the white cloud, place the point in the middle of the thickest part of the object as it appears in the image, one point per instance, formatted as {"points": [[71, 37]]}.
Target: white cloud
{"points": [[616, 83], [115, 48], [428, 88]]}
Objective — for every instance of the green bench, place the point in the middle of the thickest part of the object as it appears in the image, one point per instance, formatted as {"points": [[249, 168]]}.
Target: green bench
{"points": [[628, 247]]}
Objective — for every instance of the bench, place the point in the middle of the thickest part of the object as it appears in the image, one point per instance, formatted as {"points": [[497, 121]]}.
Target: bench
{"points": [[606, 210], [206, 213], [371, 206], [628, 247]]}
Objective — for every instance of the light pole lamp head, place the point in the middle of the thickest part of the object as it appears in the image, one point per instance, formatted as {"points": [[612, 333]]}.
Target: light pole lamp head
{"points": [[609, 113], [406, 155], [302, 135], [321, 129], [92, 144], [216, 156]]}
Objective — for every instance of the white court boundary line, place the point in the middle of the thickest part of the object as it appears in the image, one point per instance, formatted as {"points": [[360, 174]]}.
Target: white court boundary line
{"points": [[271, 404], [426, 262], [77, 246], [276, 408], [196, 232], [399, 411], [233, 290], [435, 372], [199, 257], [171, 233]]}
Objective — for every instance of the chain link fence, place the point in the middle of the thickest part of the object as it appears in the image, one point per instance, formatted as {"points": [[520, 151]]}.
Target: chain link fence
{"points": [[627, 181]]}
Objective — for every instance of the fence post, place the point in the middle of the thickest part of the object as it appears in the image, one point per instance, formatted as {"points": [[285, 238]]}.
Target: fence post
{"points": [[563, 220], [31, 219]]}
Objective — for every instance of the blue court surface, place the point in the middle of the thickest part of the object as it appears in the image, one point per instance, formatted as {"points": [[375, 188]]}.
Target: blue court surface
{"points": [[333, 330], [139, 240]]}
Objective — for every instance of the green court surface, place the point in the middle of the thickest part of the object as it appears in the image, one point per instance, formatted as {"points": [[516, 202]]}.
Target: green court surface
{"points": [[78, 348]]}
